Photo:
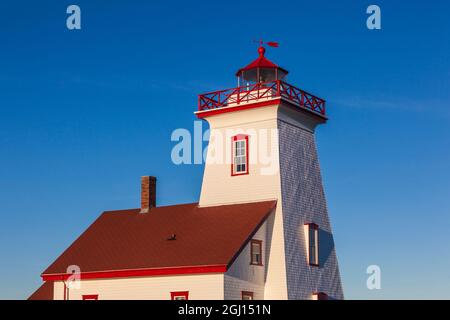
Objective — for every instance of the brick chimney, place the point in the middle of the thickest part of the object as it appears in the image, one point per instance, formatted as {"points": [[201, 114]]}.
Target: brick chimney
{"points": [[148, 193]]}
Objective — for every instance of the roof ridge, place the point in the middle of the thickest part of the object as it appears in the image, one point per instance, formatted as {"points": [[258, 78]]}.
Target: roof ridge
{"points": [[157, 207], [197, 204], [239, 203]]}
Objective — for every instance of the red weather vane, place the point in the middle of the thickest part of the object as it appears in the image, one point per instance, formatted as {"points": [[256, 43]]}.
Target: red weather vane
{"points": [[270, 43]]}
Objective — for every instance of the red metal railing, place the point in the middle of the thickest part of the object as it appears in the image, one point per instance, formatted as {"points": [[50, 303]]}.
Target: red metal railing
{"points": [[260, 91]]}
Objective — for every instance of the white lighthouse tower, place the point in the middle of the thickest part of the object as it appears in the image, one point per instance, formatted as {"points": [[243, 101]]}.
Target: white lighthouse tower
{"points": [[262, 147]]}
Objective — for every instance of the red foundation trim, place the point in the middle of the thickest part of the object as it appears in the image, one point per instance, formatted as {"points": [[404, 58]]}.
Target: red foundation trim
{"points": [[138, 273]]}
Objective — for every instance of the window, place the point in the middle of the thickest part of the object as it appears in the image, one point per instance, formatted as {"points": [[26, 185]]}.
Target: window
{"points": [[240, 155], [179, 295], [247, 295], [256, 252], [90, 296], [319, 296], [312, 234]]}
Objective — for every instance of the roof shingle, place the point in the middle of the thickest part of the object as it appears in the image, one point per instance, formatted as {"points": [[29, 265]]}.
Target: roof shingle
{"points": [[129, 240], [44, 292]]}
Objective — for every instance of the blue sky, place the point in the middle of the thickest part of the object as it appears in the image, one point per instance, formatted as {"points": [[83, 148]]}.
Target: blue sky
{"points": [[84, 114]]}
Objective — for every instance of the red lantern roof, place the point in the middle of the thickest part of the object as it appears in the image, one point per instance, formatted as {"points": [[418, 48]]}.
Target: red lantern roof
{"points": [[261, 62]]}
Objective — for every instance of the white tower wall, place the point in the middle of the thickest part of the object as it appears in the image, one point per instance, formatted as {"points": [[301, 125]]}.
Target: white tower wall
{"points": [[296, 185]]}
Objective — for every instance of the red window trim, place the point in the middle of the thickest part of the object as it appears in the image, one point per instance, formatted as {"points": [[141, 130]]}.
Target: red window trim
{"points": [[259, 242], [314, 226], [246, 293], [321, 295], [90, 296], [237, 138], [184, 294]]}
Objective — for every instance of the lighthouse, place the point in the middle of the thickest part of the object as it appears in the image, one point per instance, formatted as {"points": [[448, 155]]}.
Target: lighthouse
{"points": [[266, 115], [260, 229]]}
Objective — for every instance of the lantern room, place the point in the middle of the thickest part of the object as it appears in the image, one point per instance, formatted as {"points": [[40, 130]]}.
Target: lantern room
{"points": [[260, 82], [260, 70]]}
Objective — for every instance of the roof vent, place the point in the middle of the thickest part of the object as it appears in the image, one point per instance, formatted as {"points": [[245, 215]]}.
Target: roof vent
{"points": [[172, 237]]}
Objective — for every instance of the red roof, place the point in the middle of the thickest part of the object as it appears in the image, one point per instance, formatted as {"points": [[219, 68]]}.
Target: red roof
{"points": [[128, 240], [260, 62], [45, 292]]}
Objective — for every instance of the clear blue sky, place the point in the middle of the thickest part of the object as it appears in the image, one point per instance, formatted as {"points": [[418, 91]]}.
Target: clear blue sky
{"points": [[83, 114]]}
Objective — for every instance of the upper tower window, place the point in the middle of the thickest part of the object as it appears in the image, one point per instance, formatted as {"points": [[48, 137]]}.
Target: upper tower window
{"points": [[312, 236], [240, 155]]}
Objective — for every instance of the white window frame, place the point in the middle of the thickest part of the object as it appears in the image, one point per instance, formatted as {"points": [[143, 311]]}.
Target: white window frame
{"points": [[312, 243], [239, 145], [259, 244]]}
